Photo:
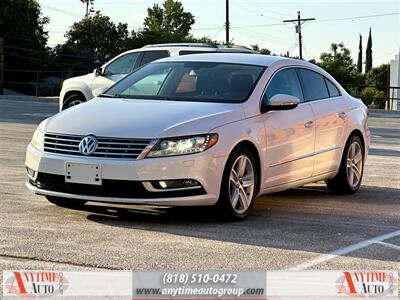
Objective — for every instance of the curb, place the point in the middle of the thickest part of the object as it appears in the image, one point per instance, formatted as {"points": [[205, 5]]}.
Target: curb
{"points": [[32, 98]]}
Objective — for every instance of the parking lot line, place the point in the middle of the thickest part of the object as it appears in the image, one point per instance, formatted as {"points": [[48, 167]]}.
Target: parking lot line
{"points": [[389, 245], [343, 251]]}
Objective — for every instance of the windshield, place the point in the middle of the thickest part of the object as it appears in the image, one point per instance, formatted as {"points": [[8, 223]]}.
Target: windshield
{"points": [[189, 81]]}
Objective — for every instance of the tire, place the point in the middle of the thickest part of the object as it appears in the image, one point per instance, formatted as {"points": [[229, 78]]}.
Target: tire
{"points": [[73, 100], [241, 188], [65, 202], [349, 177]]}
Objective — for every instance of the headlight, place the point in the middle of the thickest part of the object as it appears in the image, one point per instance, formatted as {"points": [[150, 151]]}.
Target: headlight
{"points": [[38, 136], [183, 145]]}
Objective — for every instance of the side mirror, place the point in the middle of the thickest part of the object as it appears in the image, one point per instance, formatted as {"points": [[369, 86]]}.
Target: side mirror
{"points": [[280, 102], [99, 91], [98, 71]]}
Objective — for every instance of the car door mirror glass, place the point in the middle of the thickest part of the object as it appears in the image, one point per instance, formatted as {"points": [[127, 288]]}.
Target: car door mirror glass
{"points": [[280, 102]]}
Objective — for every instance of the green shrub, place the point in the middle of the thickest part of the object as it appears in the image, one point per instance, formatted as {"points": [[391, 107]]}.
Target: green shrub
{"points": [[371, 95]]}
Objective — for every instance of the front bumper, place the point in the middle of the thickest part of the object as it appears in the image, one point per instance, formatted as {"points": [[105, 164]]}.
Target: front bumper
{"points": [[206, 168]]}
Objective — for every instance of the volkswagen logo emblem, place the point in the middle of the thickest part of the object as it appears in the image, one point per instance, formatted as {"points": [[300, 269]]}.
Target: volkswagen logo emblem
{"points": [[88, 145]]}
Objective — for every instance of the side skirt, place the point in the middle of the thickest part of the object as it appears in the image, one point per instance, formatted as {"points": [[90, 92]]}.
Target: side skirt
{"points": [[298, 183]]}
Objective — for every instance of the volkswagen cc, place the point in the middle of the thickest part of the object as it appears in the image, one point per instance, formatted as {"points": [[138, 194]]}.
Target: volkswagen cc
{"points": [[203, 130]]}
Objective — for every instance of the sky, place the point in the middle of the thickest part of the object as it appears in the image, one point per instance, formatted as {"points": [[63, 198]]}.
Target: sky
{"points": [[259, 22]]}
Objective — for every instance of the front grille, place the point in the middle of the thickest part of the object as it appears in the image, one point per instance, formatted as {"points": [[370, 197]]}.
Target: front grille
{"points": [[108, 188], [107, 147]]}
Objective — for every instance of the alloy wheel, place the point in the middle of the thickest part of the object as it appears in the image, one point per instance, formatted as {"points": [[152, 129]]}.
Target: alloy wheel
{"points": [[354, 164], [74, 102], [241, 184]]}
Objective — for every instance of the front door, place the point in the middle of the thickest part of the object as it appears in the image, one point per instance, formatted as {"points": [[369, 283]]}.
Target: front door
{"points": [[115, 70], [290, 134]]}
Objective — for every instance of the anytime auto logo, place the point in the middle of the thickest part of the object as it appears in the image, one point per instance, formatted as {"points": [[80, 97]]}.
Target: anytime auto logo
{"points": [[368, 284], [35, 283]]}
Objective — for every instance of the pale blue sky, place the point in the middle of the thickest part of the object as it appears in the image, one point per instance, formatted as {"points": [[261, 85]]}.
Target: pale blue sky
{"points": [[210, 17]]}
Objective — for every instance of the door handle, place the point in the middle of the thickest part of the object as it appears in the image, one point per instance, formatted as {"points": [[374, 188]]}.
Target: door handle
{"points": [[342, 115], [309, 124]]}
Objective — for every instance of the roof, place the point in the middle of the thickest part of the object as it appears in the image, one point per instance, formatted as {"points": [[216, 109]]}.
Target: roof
{"points": [[238, 58]]}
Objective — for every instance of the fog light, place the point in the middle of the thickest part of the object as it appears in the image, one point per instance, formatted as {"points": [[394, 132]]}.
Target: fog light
{"points": [[31, 173], [172, 184]]}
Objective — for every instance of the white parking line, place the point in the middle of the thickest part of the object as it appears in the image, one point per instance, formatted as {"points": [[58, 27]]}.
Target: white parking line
{"points": [[343, 251], [389, 245]]}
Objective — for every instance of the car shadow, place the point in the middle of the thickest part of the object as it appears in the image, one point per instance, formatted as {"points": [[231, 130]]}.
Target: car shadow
{"points": [[308, 219]]}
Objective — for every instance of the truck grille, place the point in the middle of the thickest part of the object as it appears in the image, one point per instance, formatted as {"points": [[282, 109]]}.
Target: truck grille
{"points": [[106, 148]]}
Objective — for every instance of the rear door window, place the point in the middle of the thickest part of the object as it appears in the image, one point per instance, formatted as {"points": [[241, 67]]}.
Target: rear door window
{"points": [[333, 90], [314, 87], [150, 56]]}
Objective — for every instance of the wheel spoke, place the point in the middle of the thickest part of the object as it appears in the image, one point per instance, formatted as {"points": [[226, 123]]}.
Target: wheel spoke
{"points": [[248, 180], [235, 198], [233, 177], [243, 198], [349, 162], [358, 157], [356, 172], [351, 175], [241, 166]]}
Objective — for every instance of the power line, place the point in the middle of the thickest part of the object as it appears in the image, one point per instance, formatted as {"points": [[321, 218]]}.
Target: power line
{"points": [[299, 22], [317, 21]]}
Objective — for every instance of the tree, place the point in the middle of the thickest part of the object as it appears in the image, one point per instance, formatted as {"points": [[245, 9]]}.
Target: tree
{"points": [[22, 27], [378, 76], [368, 53], [340, 65], [169, 21], [87, 2], [100, 35], [359, 61], [260, 50]]}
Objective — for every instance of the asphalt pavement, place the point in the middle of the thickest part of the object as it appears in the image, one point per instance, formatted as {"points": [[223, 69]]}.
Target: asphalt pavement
{"points": [[305, 228]]}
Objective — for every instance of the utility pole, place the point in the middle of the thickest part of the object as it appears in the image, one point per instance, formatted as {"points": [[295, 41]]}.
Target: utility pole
{"points": [[1, 66], [227, 22], [299, 22]]}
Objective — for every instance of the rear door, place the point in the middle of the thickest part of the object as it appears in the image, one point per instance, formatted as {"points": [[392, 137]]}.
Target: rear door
{"points": [[329, 108], [290, 134]]}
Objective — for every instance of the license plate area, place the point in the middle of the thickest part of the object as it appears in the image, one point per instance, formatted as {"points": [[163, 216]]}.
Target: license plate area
{"points": [[83, 173]]}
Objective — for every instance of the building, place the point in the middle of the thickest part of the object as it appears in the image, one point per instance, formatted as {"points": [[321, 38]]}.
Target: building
{"points": [[395, 82]]}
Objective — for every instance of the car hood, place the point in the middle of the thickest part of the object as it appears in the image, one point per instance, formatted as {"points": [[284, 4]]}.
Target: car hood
{"points": [[128, 118], [88, 78]]}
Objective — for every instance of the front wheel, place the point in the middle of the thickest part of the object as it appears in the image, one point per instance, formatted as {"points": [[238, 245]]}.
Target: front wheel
{"points": [[239, 186], [348, 179], [73, 100], [64, 202]]}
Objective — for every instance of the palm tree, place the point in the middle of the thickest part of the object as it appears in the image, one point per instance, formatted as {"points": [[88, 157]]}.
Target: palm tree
{"points": [[87, 2]]}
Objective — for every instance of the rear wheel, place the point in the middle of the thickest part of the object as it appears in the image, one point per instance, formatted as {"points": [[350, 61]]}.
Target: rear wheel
{"points": [[348, 179], [65, 202], [73, 100], [239, 186]]}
